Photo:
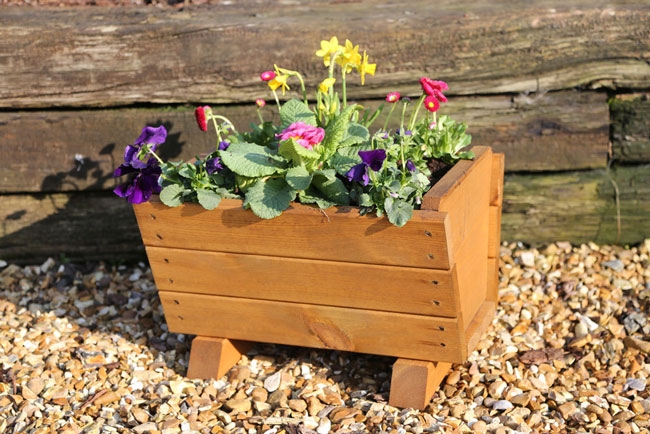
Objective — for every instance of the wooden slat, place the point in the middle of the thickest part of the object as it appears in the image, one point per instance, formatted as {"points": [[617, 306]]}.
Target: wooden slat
{"points": [[631, 128], [414, 382], [493, 280], [494, 231], [98, 56], [336, 234], [345, 284], [496, 179], [480, 324], [365, 331]]}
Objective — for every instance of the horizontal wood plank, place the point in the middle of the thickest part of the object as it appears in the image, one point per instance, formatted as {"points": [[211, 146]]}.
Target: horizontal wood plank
{"points": [[100, 57], [359, 330], [343, 284], [631, 128], [336, 234], [480, 323], [72, 150]]}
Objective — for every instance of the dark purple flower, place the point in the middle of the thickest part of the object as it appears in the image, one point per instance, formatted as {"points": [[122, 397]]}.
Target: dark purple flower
{"points": [[152, 135], [140, 187], [136, 155], [223, 145], [213, 165], [410, 166], [406, 133], [359, 173], [373, 159]]}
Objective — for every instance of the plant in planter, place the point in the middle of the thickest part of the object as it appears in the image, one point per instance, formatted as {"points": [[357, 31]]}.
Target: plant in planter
{"points": [[340, 235]]}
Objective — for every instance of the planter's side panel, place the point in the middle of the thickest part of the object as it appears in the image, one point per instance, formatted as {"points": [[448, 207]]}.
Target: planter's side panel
{"points": [[494, 241], [418, 337], [479, 324], [464, 194], [336, 234], [345, 284]]}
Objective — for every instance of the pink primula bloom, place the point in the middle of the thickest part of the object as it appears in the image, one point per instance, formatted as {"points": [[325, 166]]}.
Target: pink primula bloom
{"points": [[431, 86], [260, 102], [431, 103], [438, 94], [432, 125], [305, 135], [267, 75], [393, 97]]}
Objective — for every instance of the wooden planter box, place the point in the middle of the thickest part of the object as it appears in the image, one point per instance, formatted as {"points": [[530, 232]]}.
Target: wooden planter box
{"points": [[333, 279]]}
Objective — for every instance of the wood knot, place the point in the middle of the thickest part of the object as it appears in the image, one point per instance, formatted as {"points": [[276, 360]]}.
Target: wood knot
{"points": [[329, 335]]}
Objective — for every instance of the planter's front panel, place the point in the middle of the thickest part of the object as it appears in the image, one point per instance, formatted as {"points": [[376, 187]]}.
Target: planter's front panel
{"points": [[365, 331], [336, 234], [345, 284]]}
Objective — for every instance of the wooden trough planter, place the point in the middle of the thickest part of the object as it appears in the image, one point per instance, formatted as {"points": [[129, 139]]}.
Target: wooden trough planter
{"points": [[333, 279]]}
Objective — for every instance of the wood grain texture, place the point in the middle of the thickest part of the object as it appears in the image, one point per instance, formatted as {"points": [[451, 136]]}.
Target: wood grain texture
{"points": [[100, 57], [72, 150], [338, 233], [494, 231], [385, 333], [493, 280], [331, 283], [414, 382], [213, 357], [631, 128], [479, 324], [496, 179]]}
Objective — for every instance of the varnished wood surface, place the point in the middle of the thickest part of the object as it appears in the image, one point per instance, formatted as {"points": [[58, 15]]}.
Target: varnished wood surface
{"points": [[213, 357], [338, 233], [359, 330], [330, 283], [414, 382]]}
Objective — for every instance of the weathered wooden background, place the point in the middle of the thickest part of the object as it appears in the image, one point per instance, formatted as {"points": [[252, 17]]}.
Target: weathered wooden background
{"points": [[560, 87]]}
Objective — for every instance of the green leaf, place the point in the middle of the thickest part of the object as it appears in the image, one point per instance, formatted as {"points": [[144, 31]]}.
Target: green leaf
{"points": [[398, 211], [296, 153], [208, 199], [331, 187], [187, 170], [365, 200], [171, 195], [296, 111], [335, 132], [356, 134], [298, 178], [248, 159], [311, 195], [269, 198], [345, 158]]}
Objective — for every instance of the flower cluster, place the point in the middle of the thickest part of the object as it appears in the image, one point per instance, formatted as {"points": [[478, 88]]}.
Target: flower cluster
{"points": [[323, 153]]}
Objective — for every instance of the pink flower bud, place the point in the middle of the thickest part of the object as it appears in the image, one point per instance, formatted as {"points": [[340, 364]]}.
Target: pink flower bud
{"points": [[260, 102], [267, 75]]}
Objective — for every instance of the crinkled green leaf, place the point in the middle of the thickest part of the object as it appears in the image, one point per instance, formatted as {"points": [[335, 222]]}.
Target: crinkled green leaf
{"points": [[335, 132], [356, 134], [331, 187], [365, 200], [311, 195], [187, 170], [398, 211], [296, 111], [269, 198], [298, 178], [172, 195], [248, 159], [208, 198], [298, 155]]}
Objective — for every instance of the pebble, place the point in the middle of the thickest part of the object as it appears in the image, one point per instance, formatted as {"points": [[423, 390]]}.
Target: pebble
{"points": [[616, 265], [324, 426], [238, 405], [502, 404], [272, 382]]}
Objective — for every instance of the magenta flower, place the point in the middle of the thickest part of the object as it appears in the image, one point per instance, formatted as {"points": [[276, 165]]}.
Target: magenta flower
{"points": [[305, 135], [267, 75], [393, 97], [260, 102], [431, 86], [201, 120], [431, 103]]}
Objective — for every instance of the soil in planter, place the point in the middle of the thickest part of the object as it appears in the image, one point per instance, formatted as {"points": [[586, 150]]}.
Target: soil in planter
{"points": [[438, 169]]}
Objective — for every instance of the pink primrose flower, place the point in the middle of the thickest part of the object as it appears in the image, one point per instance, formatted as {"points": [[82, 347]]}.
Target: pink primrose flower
{"points": [[430, 86], [305, 135], [431, 103], [260, 102], [393, 97], [267, 75]]}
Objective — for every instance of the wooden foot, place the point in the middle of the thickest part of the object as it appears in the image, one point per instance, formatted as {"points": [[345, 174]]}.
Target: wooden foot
{"points": [[415, 381], [213, 357]]}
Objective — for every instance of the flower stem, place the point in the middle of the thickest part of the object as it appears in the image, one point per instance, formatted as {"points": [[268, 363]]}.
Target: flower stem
{"points": [[225, 119], [302, 85], [259, 114], [402, 121], [401, 145], [277, 101], [345, 98], [156, 157], [414, 113], [217, 129], [388, 117]]}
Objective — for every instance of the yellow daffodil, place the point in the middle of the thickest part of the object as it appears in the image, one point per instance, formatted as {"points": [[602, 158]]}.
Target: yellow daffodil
{"points": [[327, 49], [326, 84], [366, 68], [279, 80], [350, 57]]}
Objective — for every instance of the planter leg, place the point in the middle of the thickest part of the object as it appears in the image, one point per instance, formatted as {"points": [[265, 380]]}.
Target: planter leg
{"points": [[415, 381], [213, 357]]}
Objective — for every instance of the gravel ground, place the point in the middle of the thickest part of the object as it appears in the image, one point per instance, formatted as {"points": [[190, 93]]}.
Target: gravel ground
{"points": [[85, 349]]}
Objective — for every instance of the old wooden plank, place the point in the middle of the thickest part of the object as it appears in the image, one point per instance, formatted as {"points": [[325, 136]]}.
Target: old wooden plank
{"points": [[418, 337], [80, 227], [631, 128], [336, 234], [331, 283], [101, 57], [578, 206], [76, 150]]}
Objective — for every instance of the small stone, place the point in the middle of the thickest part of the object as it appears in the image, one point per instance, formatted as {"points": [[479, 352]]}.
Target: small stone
{"points": [[36, 385], [107, 398], [567, 409], [240, 373], [339, 414], [297, 405], [259, 394], [278, 399], [145, 427], [272, 382], [238, 405], [580, 330], [479, 427], [497, 388], [261, 407], [635, 384], [528, 259], [632, 342], [324, 426], [314, 406], [502, 404], [616, 265], [140, 415], [622, 428], [521, 399], [453, 377]]}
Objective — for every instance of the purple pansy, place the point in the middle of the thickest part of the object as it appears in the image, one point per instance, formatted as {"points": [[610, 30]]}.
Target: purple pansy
{"points": [[139, 188], [410, 166], [150, 138], [369, 159], [213, 165], [223, 145]]}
